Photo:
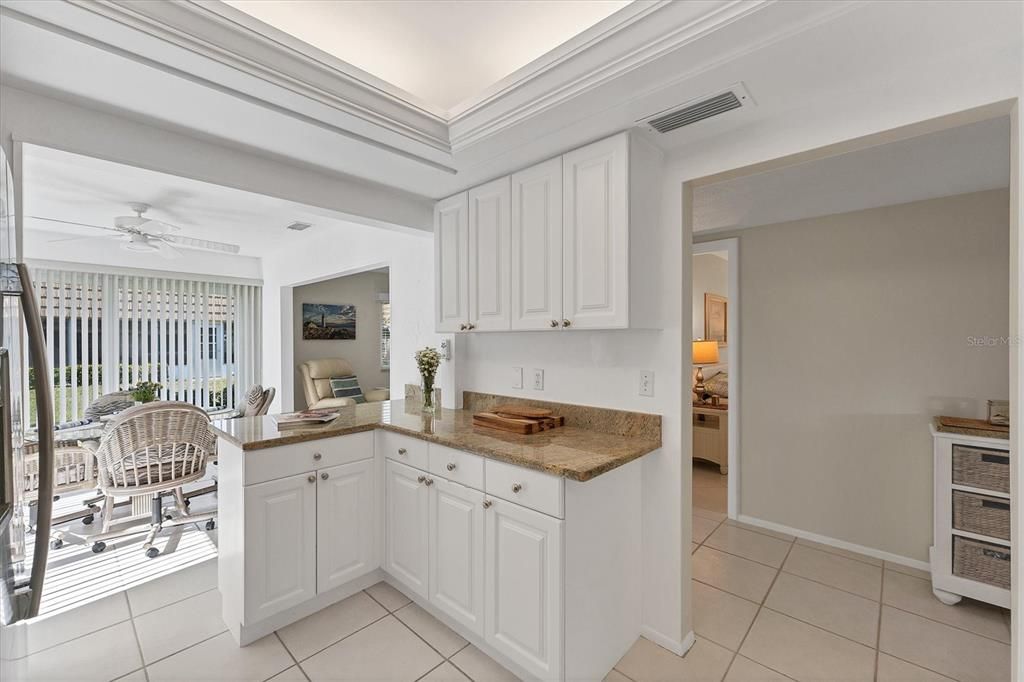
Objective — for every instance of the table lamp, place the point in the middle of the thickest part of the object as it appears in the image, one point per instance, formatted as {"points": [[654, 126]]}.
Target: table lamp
{"points": [[704, 353]]}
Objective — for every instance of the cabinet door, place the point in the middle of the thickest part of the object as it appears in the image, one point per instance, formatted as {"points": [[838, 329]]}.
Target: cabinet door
{"points": [[595, 232], [523, 587], [280, 545], [451, 263], [408, 507], [346, 524], [489, 225], [536, 277], [457, 552]]}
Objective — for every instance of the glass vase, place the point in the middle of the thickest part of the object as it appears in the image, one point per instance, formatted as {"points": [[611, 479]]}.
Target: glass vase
{"points": [[427, 386]]}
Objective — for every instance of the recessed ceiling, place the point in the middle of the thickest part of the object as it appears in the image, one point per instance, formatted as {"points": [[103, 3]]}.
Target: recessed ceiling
{"points": [[443, 52], [969, 158]]}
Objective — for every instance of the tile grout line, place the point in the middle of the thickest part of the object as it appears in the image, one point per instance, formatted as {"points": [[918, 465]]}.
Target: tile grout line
{"points": [[878, 631], [939, 622], [760, 607], [320, 651], [431, 670], [290, 655], [138, 642]]}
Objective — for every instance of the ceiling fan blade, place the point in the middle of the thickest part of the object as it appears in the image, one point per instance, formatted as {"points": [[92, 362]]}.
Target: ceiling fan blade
{"points": [[71, 222], [205, 244], [158, 227], [84, 237], [168, 251]]}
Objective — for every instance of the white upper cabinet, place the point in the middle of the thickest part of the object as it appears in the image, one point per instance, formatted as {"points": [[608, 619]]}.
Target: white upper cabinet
{"points": [[595, 235], [536, 277], [451, 263], [571, 243], [489, 259]]}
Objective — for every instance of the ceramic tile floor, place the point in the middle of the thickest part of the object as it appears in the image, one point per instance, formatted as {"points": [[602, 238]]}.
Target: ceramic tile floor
{"points": [[766, 607]]}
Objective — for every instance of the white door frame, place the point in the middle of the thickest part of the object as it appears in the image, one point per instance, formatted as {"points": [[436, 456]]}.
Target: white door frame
{"points": [[732, 248]]}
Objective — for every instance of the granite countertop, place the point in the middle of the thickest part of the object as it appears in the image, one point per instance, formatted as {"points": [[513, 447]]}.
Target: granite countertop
{"points": [[575, 452]]}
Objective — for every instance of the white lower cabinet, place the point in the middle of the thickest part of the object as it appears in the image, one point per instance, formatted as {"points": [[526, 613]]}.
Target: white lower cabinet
{"points": [[523, 584], [456, 532], [280, 545], [405, 543], [346, 546]]}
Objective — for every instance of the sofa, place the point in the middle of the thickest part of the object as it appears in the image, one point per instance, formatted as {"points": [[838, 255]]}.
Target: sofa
{"points": [[316, 382]]}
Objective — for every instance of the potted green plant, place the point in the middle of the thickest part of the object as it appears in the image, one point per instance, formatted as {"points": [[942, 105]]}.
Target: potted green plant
{"points": [[146, 391]]}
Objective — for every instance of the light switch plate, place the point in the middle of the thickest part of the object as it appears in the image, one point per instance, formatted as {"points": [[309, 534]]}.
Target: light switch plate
{"points": [[517, 377], [647, 383], [538, 380]]}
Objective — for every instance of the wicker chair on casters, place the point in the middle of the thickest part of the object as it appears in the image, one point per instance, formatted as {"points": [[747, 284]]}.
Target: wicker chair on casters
{"points": [[147, 452]]}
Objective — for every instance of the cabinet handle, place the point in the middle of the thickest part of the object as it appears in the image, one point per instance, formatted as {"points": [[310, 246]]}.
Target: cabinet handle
{"points": [[554, 324], [487, 504], [517, 487], [402, 451], [317, 456], [428, 482], [421, 479], [471, 326], [312, 478], [451, 466], [566, 323], [462, 327], [325, 475]]}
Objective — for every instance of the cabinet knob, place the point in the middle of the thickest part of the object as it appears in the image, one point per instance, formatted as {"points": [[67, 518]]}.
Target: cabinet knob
{"points": [[421, 479], [487, 504], [317, 456], [325, 475], [462, 327], [470, 326], [566, 323], [450, 466], [554, 324], [428, 482], [402, 451], [312, 478], [517, 487]]}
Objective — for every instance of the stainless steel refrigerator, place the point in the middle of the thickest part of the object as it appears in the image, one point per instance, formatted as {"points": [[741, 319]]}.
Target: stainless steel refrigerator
{"points": [[22, 567]]}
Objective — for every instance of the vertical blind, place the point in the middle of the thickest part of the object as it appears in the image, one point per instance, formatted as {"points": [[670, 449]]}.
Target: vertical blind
{"points": [[109, 332]]}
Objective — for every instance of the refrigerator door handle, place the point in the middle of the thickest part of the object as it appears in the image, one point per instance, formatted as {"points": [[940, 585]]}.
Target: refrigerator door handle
{"points": [[44, 415]]}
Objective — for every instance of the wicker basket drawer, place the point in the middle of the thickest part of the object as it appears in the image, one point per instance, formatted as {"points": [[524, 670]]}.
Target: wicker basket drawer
{"points": [[981, 561], [981, 468], [981, 514]]}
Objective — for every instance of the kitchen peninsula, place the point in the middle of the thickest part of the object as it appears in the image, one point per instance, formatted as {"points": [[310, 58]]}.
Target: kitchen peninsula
{"points": [[527, 545]]}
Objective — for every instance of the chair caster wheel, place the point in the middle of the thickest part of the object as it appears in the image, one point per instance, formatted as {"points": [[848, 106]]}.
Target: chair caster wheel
{"points": [[188, 503], [98, 547], [56, 544], [152, 552], [211, 524], [86, 520], [167, 517]]}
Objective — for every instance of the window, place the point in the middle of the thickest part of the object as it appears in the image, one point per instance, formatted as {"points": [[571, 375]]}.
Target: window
{"points": [[108, 332], [385, 336]]}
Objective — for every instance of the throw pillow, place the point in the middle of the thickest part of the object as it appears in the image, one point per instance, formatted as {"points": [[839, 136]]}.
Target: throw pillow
{"points": [[253, 401], [718, 385], [347, 387], [110, 403]]}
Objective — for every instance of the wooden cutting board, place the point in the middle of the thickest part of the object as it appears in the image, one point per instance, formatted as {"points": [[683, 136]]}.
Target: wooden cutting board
{"points": [[512, 424], [521, 411], [979, 424]]}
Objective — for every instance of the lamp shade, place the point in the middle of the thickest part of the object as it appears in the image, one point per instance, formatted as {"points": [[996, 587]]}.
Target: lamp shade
{"points": [[705, 352]]}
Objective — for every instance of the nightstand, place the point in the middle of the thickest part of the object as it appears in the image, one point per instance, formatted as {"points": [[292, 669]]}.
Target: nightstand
{"points": [[711, 434]]}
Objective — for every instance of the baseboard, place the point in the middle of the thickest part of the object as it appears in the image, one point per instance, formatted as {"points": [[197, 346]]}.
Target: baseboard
{"points": [[840, 544], [665, 642]]}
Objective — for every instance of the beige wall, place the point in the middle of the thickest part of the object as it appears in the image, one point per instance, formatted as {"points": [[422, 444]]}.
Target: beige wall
{"points": [[364, 351], [856, 329]]}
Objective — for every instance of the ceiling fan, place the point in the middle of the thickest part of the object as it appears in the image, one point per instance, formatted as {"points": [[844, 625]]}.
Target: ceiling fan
{"points": [[141, 234]]}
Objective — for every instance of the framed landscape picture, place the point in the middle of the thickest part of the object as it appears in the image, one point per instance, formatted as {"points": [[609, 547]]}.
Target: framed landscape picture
{"points": [[326, 322], [716, 319]]}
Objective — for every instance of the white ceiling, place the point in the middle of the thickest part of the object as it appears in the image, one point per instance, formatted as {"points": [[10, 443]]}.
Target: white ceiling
{"points": [[443, 52], [968, 158], [76, 188]]}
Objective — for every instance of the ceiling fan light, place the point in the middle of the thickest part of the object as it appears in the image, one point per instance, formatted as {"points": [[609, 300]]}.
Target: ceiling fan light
{"points": [[143, 245]]}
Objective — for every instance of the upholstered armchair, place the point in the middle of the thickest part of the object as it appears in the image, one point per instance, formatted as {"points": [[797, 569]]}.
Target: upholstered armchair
{"points": [[316, 380]]}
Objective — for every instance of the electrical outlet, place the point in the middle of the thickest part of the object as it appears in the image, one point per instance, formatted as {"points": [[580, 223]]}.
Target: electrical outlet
{"points": [[647, 383], [538, 380], [517, 377]]}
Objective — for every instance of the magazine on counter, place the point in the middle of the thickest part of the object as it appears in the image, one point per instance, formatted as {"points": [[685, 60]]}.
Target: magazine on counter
{"points": [[306, 417]]}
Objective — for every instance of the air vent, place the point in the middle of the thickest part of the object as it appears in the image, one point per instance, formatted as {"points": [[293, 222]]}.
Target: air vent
{"points": [[299, 227], [703, 108]]}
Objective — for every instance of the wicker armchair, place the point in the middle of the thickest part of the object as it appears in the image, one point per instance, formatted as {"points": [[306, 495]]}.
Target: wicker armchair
{"points": [[146, 452]]}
